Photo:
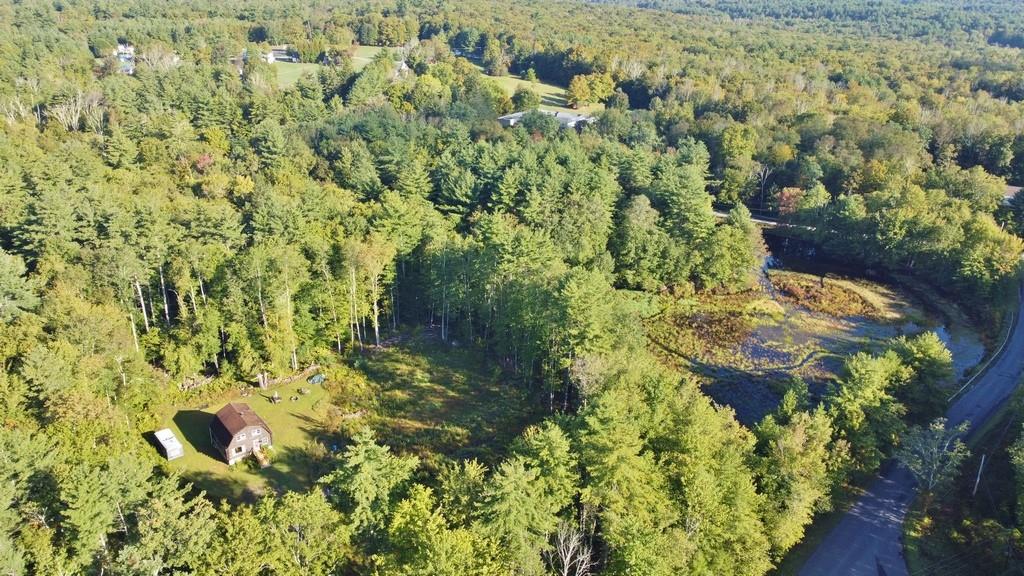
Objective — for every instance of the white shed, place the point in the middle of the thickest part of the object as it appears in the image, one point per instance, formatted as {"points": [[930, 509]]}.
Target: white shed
{"points": [[169, 445]]}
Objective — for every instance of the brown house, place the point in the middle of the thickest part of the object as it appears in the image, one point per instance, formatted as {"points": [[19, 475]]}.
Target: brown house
{"points": [[237, 431]]}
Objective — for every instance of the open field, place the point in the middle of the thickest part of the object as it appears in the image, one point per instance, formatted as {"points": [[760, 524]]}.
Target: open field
{"points": [[288, 72], [551, 97], [439, 402], [420, 397], [748, 346], [363, 55]]}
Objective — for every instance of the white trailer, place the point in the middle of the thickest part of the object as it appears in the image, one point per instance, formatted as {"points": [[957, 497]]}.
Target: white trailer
{"points": [[169, 445]]}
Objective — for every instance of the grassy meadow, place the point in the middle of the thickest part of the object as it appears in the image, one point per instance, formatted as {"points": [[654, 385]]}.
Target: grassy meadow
{"points": [[288, 72], [294, 424], [552, 97], [419, 395]]}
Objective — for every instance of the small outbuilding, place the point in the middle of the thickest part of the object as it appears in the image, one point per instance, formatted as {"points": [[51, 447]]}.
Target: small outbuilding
{"points": [[237, 431], [168, 444]]}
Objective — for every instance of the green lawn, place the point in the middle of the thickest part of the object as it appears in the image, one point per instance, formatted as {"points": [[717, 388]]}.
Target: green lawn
{"points": [[288, 72], [294, 424], [551, 97], [420, 396], [363, 55]]}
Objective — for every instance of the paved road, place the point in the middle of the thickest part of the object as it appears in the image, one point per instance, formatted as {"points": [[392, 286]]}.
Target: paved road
{"points": [[867, 541]]}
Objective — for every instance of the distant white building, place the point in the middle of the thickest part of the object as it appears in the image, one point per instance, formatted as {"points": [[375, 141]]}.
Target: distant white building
{"points": [[565, 119], [125, 56], [170, 447], [280, 54]]}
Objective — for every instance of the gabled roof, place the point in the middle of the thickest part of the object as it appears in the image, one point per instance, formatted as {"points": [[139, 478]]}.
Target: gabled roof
{"points": [[232, 419]]}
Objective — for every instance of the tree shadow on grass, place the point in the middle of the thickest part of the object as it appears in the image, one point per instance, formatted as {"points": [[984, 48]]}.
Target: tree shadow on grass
{"points": [[554, 100], [195, 426], [221, 488], [296, 469]]}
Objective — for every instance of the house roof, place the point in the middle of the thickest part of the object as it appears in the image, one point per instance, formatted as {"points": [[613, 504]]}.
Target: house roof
{"points": [[566, 119], [168, 440], [232, 419]]}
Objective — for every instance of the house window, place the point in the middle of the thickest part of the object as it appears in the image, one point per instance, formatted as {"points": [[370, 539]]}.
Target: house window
{"points": [[238, 449], [240, 437], [257, 432]]}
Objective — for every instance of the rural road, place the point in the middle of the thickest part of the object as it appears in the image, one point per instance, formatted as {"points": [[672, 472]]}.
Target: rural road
{"points": [[868, 538]]}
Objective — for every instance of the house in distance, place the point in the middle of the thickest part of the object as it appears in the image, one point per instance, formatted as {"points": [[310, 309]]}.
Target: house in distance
{"points": [[237, 431], [565, 119]]}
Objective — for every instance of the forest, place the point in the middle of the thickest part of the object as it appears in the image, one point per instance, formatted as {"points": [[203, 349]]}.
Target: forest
{"points": [[185, 225]]}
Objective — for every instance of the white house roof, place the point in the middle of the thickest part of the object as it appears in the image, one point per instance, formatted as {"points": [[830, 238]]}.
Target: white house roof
{"points": [[566, 119], [168, 440]]}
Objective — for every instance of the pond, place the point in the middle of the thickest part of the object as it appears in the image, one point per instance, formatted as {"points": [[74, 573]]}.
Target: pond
{"points": [[922, 308], [808, 315]]}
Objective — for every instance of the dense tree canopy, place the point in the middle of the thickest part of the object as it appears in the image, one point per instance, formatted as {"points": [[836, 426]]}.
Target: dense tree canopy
{"points": [[202, 223]]}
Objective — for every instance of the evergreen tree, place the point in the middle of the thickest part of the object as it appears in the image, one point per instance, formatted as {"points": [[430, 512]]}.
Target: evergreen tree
{"points": [[369, 478]]}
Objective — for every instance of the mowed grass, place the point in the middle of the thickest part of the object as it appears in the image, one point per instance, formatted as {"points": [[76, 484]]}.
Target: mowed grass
{"points": [[363, 55], [288, 72], [552, 97], [295, 426], [420, 396]]}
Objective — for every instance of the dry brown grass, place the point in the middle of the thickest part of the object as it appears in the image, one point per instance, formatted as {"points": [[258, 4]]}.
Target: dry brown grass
{"points": [[827, 296]]}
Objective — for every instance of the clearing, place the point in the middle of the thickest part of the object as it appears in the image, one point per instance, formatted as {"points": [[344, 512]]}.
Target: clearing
{"points": [[363, 55], [551, 97], [288, 72], [442, 402], [294, 424], [419, 395]]}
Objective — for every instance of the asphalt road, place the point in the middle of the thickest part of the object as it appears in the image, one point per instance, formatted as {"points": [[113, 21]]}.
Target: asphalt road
{"points": [[868, 539]]}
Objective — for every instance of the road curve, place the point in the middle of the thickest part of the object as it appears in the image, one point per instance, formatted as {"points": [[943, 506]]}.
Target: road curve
{"points": [[868, 539]]}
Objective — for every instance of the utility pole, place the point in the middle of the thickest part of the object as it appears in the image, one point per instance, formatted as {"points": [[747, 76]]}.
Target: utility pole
{"points": [[978, 479]]}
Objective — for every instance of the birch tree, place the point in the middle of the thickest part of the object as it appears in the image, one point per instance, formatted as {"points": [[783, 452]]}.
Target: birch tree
{"points": [[934, 453]]}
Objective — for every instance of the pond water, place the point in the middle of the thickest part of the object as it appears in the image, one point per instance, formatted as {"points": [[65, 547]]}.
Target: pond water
{"points": [[921, 313], [795, 340], [965, 345]]}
